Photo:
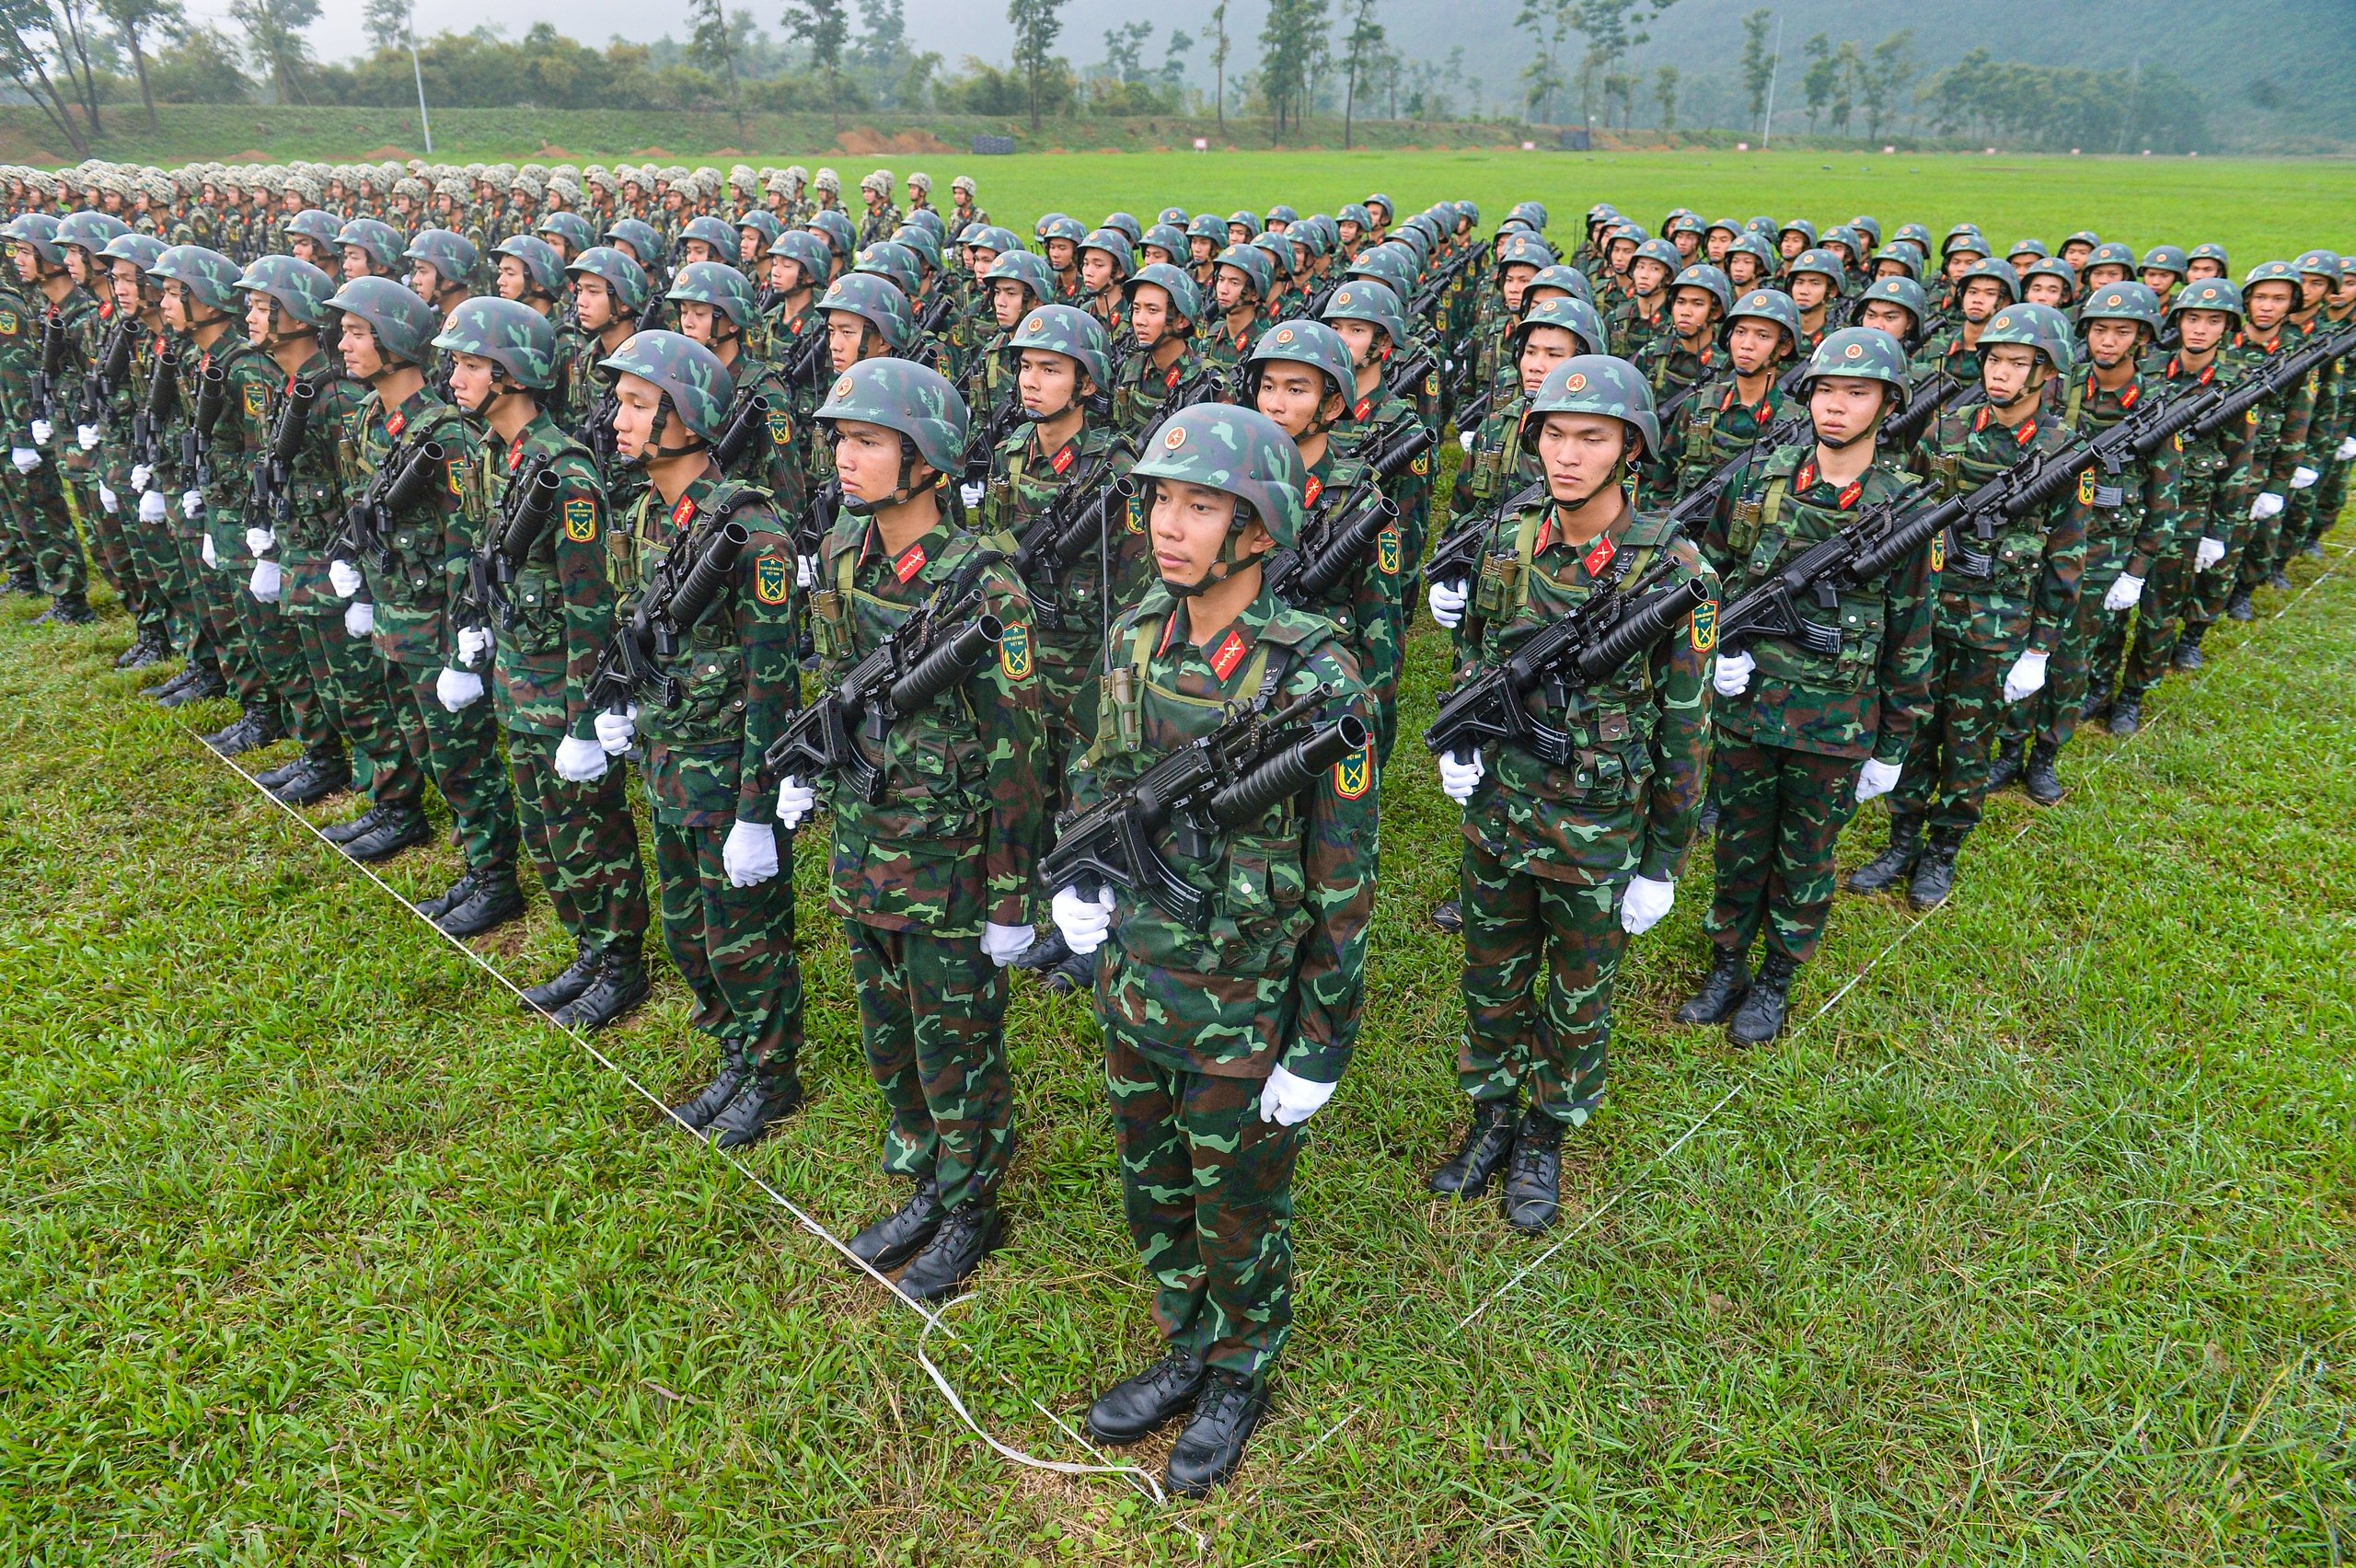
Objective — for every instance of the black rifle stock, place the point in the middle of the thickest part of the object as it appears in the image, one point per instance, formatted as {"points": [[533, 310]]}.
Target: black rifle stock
{"points": [[530, 509], [684, 588]]}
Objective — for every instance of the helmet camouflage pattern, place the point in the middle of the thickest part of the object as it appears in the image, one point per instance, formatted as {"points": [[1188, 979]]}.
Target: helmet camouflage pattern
{"points": [[1369, 299], [1817, 259], [451, 255], [1861, 354], [2110, 253], [902, 396], [2001, 273], [877, 303], [210, 277], [1595, 384], [542, 266], [2038, 327], [1525, 250], [1075, 334], [1113, 243], [2166, 258], [402, 323], [1709, 280], [1569, 280], [2271, 272], [1258, 270], [320, 227], [918, 241], [1903, 253], [1031, 271], [92, 230], [836, 230], [1573, 316], [2208, 294], [718, 284], [895, 263], [2323, 263], [140, 249], [39, 232], [645, 245], [1766, 305], [374, 239], [688, 374], [1311, 343], [1241, 452], [624, 277], [712, 232], [1903, 293], [2211, 251], [2121, 302], [510, 334], [1125, 224], [1389, 263], [1185, 300], [2060, 271], [301, 290], [802, 245]]}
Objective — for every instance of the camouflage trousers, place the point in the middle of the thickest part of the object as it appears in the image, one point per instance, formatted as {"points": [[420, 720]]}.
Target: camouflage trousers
{"points": [[2069, 674], [1512, 1036], [1068, 691], [2331, 500], [213, 636], [146, 587], [351, 687], [932, 1019], [2214, 588], [110, 547], [43, 526], [2262, 551], [460, 753], [1207, 1189], [275, 652], [1780, 816], [733, 945], [583, 843], [1946, 776]]}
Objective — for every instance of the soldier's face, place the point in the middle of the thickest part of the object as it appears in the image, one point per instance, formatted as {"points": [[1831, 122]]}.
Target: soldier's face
{"points": [[1294, 395], [1809, 290], [2345, 294], [1514, 281], [471, 378], [2076, 252], [1844, 408], [2268, 303], [1753, 344], [1148, 314], [2007, 372], [1618, 252], [2159, 280], [1962, 262], [1239, 234], [2313, 289], [699, 322], [1350, 231], [1049, 384], [1007, 298], [2045, 291], [1686, 242], [2201, 330], [1366, 341], [2108, 273], [1980, 297], [846, 337], [1888, 269], [513, 283], [260, 315], [639, 405], [175, 311], [1200, 248], [1742, 268], [980, 258], [1579, 454], [1715, 246], [78, 266], [424, 281], [1891, 318], [748, 247], [2022, 261], [1690, 310], [1543, 348], [122, 278], [867, 460], [2112, 341], [1189, 525], [2201, 267], [1095, 271], [1791, 242], [1230, 288], [695, 250], [358, 346], [1060, 255]]}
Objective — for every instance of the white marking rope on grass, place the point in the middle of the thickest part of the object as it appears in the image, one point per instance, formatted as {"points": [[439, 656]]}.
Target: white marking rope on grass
{"points": [[1143, 1481]]}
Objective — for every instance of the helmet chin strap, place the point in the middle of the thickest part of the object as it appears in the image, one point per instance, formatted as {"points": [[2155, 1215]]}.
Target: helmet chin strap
{"points": [[906, 491], [1230, 559]]}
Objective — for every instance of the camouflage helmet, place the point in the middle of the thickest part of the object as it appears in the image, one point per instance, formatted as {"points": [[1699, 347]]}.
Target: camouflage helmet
{"points": [[2110, 253], [913, 399], [374, 239], [690, 377], [1568, 279], [964, 184], [995, 237], [1278, 250], [2208, 294], [2211, 251], [919, 242], [451, 255], [895, 263], [1816, 259], [1311, 343], [2271, 272], [623, 278], [139, 249], [2087, 238], [1254, 263], [2121, 302], [1904, 255], [2060, 271], [1283, 213], [1765, 305], [1905, 294], [711, 231], [1801, 226], [543, 269], [1870, 226], [1709, 280], [571, 227], [1681, 222], [1848, 239], [1238, 452], [836, 230], [2322, 263], [717, 284], [1595, 384], [1390, 207], [1174, 216], [1061, 225], [876, 302], [1573, 316], [1964, 237], [1075, 334], [1210, 227], [510, 334], [210, 277], [38, 232], [802, 245], [1125, 224], [1356, 212], [300, 289], [763, 224], [2028, 247], [1185, 299], [1369, 299], [1388, 263], [402, 323], [931, 221], [1915, 235], [2038, 327], [1758, 248], [1115, 245], [645, 245], [2166, 258], [1661, 252], [829, 180], [1031, 272], [2001, 273], [1170, 239], [320, 227], [1861, 354], [1525, 250], [92, 230]]}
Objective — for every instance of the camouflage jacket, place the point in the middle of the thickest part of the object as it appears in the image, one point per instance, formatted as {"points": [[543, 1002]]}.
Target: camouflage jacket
{"points": [[739, 681], [953, 841], [423, 576], [1713, 429], [234, 455], [307, 509], [1867, 699], [1144, 392], [881, 224], [2283, 420], [2132, 517], [772, 459], [1628, 798], [19, 359], [1376, 415], [1634, 328], [1670, 367], [1497, 466], [1070, 605], [554, 614], [1367, 607], [2028, 600], [1223, 350], [1277, 975], [2213, 471], [78, 315]]}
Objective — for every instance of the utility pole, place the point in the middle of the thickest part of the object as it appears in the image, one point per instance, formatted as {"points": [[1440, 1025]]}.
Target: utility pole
{"points": [[1774, 66], [419, 71]]}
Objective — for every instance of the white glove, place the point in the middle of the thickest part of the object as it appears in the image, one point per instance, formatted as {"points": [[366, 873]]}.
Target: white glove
{"points": [[153, 507], [140, 474], [616, 730], [1003, 944], [2123, 593], [258, 540], [42, 430], [2267, 505], [2301, 477], [267, 581], [1645, 903], [24, 459], [1731, 673], [1460, 777], [107, 499], [1083, 921], [456, 688], [1447, 604], [474, 641], [344, 578], [192, 503], [359, 621], [1877, 777], [580, 761], [972, 495], [85, 436], [805, 572], [205, 552], [1464, 439], [2208, 553], [796, 802], [1289, 1100], [750, 854], [2347, 450], [2025, 678]]}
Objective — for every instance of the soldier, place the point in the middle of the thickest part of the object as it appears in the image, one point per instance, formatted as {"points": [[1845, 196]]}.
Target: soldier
{"points": [[1750, 263], [920, 193], [2108, 263], [1105, 262], [1568, 862], [1211, 1082], [1804, 738], [2277, 462], [80, 398], [159, 599], [1372, 323], [2208, 261], [369, 249], [1205, 237], [2331, 495], [1166, 372], [610, 296], [716, 309], [54, 305], [2320, 276], [705, 239], [550, 611], [2050, 283], [797, 265], [1017, 283], [1643, 316], [932, 879], [2001, 609], [1244, 277], [1727, 415], [962, 212], [1980, 291], [882, 217], [1687, 354], [410, 577]]}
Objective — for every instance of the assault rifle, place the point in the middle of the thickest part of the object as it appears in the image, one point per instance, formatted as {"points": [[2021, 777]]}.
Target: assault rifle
{"points": [[808, 362], [162, 392], [936, 648], [1928, 401], [982, 440], [402, 484], [689, 579], [196, 442], [113, 372], [825, 507], [749, 417], [1428, 298], [276, 470], [1207, 787], [1335, 539], [527, 509], [1587, 646], [52, 366], [1081, 517], [1455, 556]]}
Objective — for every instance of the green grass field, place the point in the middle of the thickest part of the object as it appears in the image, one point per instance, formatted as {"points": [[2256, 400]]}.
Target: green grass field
{"points": [[2035, 1247]]}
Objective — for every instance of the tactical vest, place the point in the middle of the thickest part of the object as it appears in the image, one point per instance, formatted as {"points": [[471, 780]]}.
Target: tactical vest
{"points": [[1779, 527], [2015, 553], [710, 661]]}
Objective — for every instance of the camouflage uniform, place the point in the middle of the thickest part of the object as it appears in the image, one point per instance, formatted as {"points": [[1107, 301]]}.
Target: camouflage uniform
{"points": [[2214, 477], [271, 677], [1144, 392], [2270, 461], [2280, 450]]}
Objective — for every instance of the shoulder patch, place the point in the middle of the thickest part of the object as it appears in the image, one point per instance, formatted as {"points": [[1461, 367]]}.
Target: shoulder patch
{"points": [[772, 578], [1354, 775], [581, 521], [780, 426], [255, 399], [458, 470], [2086, 488], [1705, 625], [1387, 551], [8, 322], [1014, 652]]}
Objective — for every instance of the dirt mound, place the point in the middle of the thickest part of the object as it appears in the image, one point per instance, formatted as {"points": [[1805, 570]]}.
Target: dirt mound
{"points": [[861, 142], [250, 156], [651, 153], [388, 153], [551, 153]]}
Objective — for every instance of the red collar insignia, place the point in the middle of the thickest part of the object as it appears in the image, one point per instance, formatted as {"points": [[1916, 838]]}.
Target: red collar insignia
{"points": [[683, 514], [515, 453], [1227, 654], [1060, 461], [1364, 407], [1312, 491], [1600, 557], [395, 423], [1805, 478], [2026, 435], [910, 562], [1850, 493]]}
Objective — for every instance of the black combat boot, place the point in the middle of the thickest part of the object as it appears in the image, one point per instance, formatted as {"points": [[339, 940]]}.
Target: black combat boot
{"points": [[1135, 1406], [1448, 916], [713, 1098], [1934, 874], [342, 832], [204, 685], [1045, 954], [968, 1233], [69, 609], [22, 581], [2008, 765], [2280, 580], [1722, 990], [902, 1234], [450, 898], [2127, 713], [2042, 783], [397, 829], [319, 773], [2187, 649], [2097, 701], [1483, 1148], [272, 777], [552, 993], [1226, 1414], [769, 1096], [1076, 973], [146, 649], [254, 729], [1760, 1017], [2238, 608], [1895, 864], [619, 985], [169, 684], [1534, 1178], [494, 901]]}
